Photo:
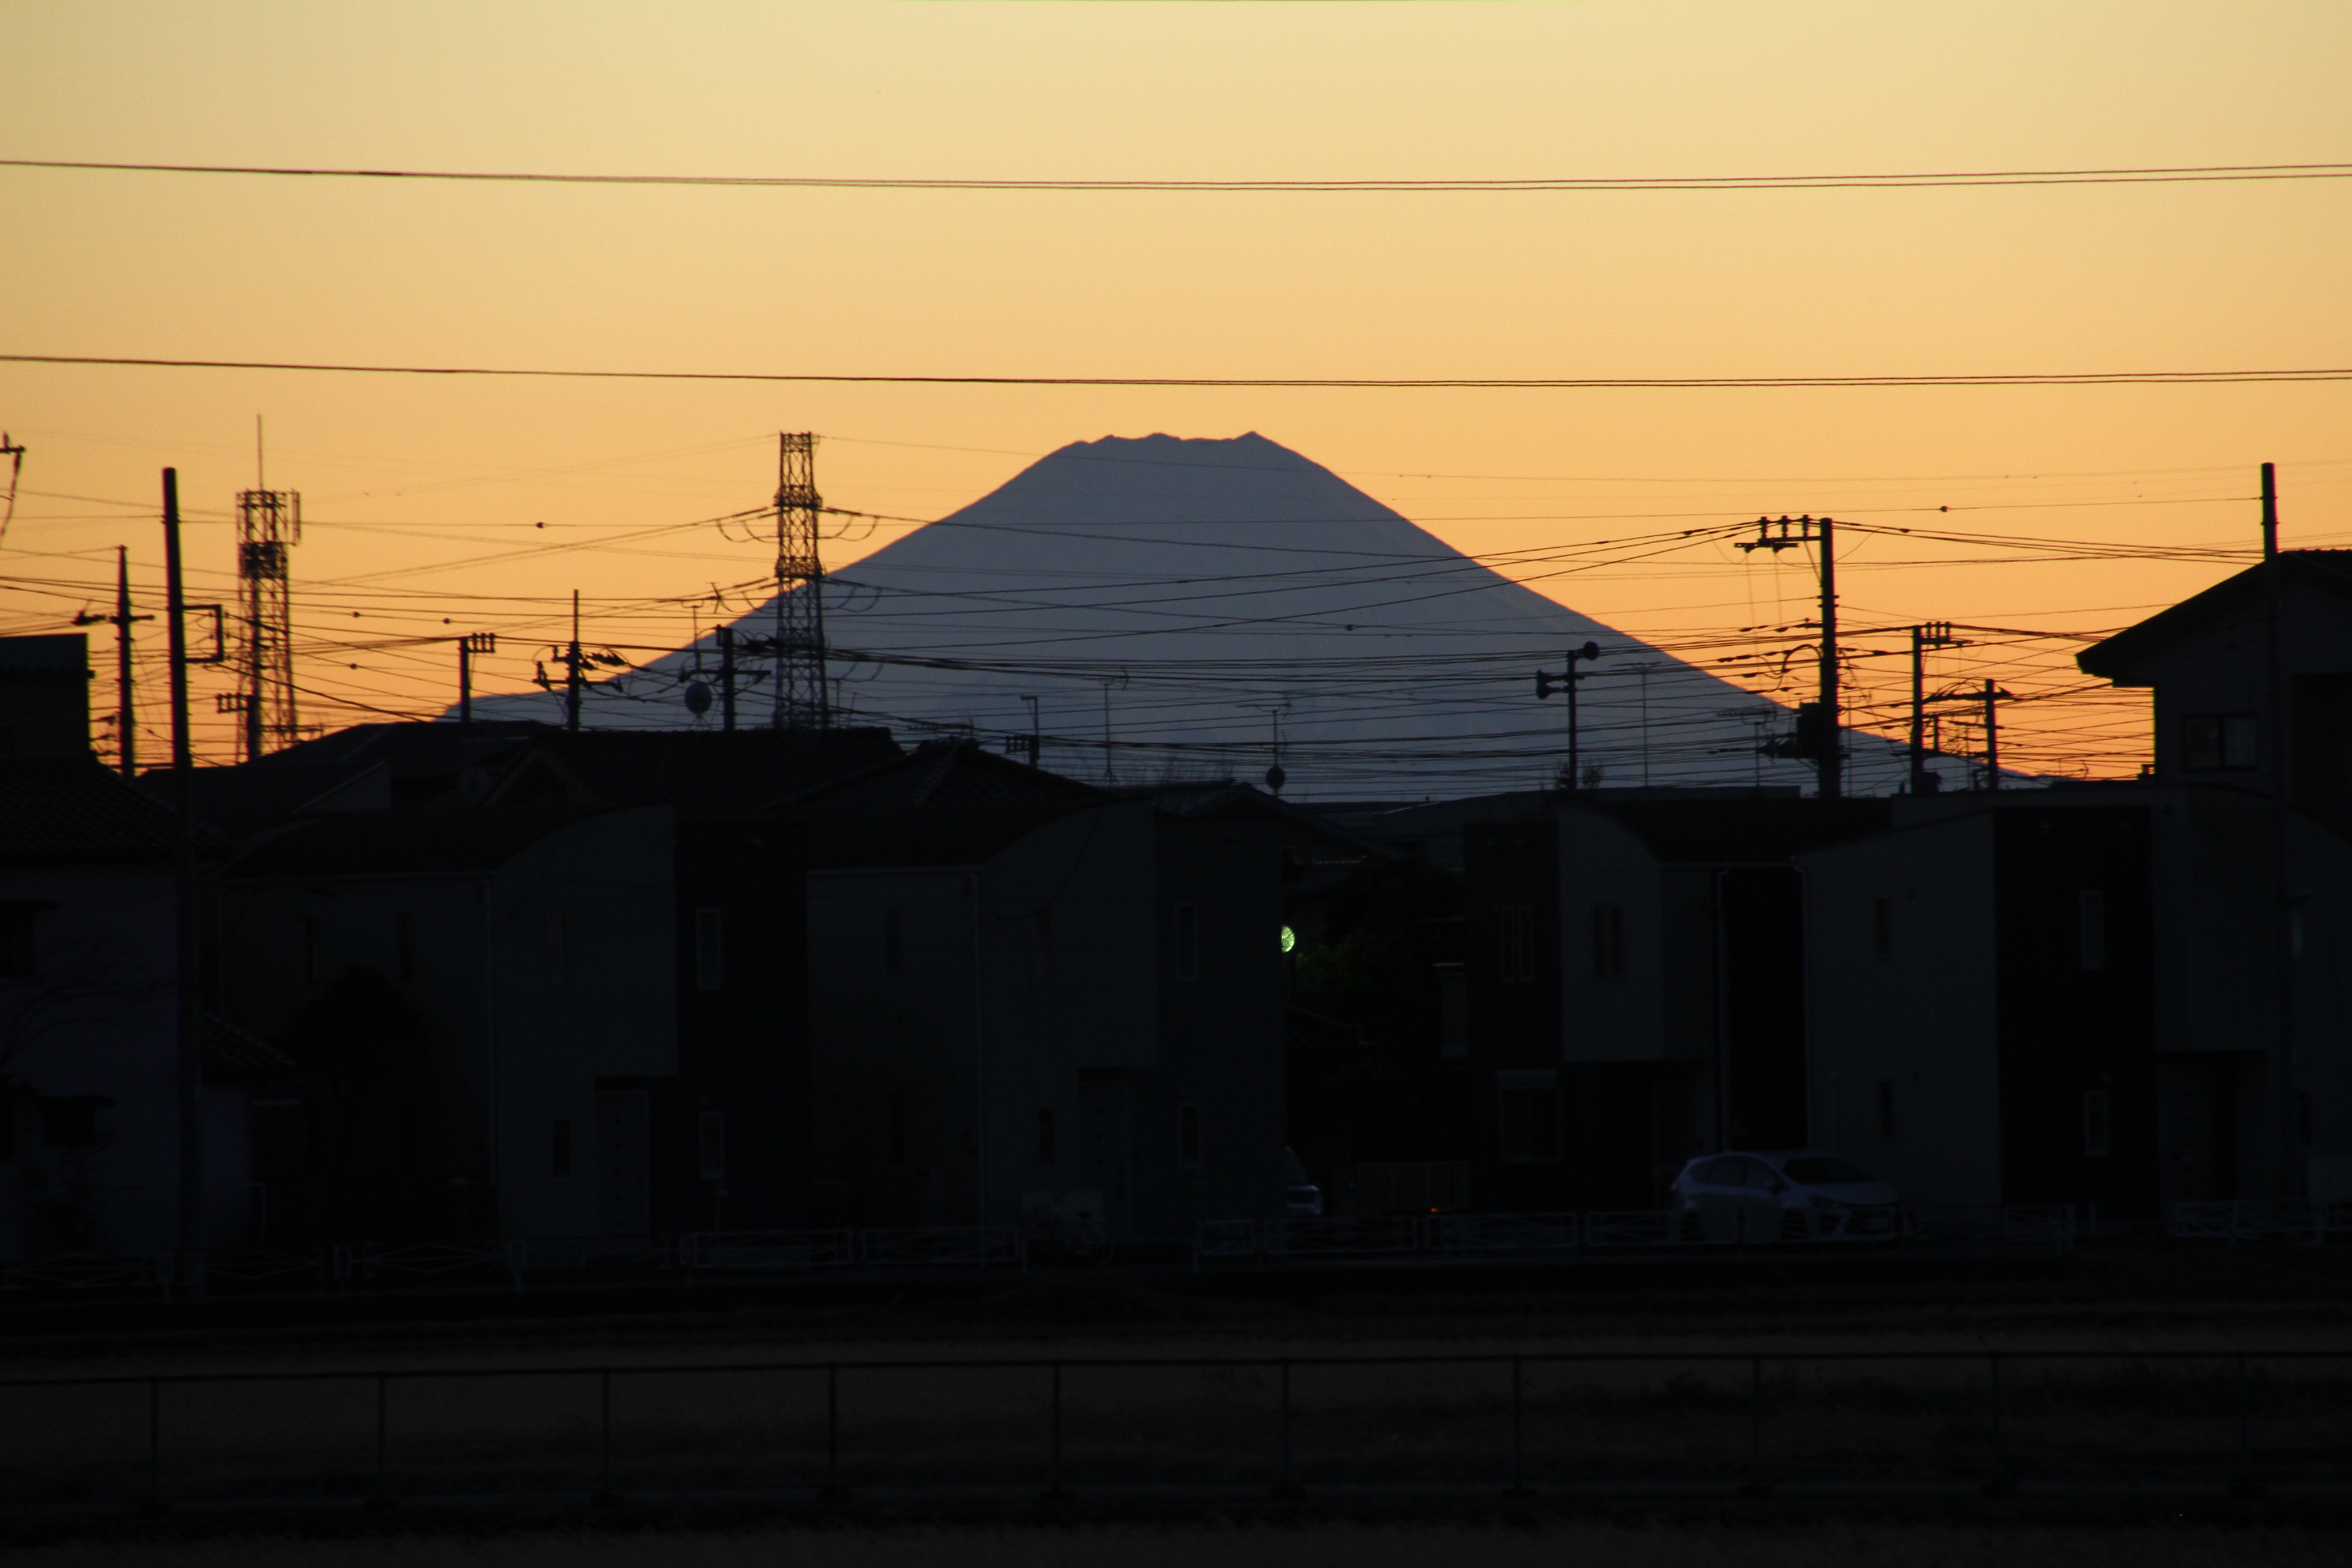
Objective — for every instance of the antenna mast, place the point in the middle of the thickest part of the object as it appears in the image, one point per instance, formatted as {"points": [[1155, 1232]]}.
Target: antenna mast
{"points": [[269, 526], [801, 696]]}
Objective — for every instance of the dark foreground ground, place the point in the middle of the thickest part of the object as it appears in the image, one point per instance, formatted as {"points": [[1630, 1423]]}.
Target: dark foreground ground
{"points": [[1551, 1545]]}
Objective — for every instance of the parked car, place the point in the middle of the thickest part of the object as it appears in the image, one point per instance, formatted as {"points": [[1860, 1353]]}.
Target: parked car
{"points": [[1306, 1199], [1782, 1195]]}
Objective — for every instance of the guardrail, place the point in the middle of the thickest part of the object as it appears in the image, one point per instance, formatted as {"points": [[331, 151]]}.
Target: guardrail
{"points": [[1869, 1426]]}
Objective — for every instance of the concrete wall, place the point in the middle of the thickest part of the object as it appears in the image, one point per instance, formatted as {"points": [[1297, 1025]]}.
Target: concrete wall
{"points": [[1920, 1019], [97, 1021]]}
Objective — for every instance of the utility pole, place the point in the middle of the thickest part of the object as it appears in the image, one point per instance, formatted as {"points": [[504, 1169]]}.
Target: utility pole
{"points": [[1820, 736], [1037, 736], [1934, 634], [467, 646], [185, 955], [572, 672], [2277, 742], [803, 697], [1544, 679], [14, 452], [126, 717], [726, 679], [1986, 695]]}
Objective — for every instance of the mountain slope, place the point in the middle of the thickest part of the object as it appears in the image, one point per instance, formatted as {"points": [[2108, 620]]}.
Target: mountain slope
{"points": [[1173, 605]]}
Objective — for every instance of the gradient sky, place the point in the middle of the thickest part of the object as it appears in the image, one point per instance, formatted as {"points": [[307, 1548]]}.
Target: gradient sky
{"points": [[404, 477]]}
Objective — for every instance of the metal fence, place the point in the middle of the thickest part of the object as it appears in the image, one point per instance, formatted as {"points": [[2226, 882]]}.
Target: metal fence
{"points": [[1662, 1423], [1398, 1238]]}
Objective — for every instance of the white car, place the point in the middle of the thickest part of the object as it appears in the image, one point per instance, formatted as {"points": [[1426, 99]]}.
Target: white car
{"points": [[1781, 1195]]}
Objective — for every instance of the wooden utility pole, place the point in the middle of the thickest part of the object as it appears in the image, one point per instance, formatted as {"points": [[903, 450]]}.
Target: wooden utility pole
{"points": [[185, 957], [126, 717], [2276, 743], [1822, 737]]}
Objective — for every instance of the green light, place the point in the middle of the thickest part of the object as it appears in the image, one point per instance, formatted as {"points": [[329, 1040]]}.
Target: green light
{"points": [[1289, 939]]}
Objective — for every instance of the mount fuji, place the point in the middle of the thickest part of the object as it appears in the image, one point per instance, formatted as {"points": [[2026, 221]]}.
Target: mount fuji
{"points": [[1192, 609]]}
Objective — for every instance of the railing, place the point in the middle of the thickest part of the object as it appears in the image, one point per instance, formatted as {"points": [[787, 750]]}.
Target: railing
{"points": [[2309, 1223], [1810, 1425]]}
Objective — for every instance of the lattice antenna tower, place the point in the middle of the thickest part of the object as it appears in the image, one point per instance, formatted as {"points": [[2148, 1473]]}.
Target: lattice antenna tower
{"points": [[801, 696], [269, 526]]}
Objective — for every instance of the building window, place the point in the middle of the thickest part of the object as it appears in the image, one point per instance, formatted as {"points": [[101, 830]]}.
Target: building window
{"points": [[1515, 942], [20, 944], [894, 940], [1881, 927], [1048, 1149], [1608, 943], [559, 1149], [404, 947], [709, 952], [710, 1145], [1886, 1111], [2095, 1124], [2218, 742], [895, 1115], [1188, 942], [1188, 1136], [1041, 942], [1527, 1111], [2091, 929]]}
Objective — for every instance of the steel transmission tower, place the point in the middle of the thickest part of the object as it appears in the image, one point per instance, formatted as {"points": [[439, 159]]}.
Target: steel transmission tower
{"points": [[269, 526], [801, 692]]}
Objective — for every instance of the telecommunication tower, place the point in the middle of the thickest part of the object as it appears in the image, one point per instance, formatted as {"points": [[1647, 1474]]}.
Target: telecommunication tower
{"points": [[800, 692], [269, 526]]}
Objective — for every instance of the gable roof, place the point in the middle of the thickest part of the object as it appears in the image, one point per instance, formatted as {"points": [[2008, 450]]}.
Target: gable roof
{"points": [[702, 772], [1733, 832], [453, 840], [948, 774], [77, 810], [2117, 658]]}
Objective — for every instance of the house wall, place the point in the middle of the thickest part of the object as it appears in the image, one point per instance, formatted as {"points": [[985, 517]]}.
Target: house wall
{"points": [[95, 1023], [593, 998], [1049, 981], [1915, 1023], [519, 1025]]}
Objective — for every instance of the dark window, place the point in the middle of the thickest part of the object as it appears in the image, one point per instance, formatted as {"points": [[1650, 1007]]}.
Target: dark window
{"points": [[1608, 943], [70, 1121], [2218, 742], [404, 946], [313, 958], [2090, 928], [894, 941], [2094, 1123], [1047, 1151], [20, 940], [1188, 942], [709, 937], [895, 1114], [1515, 942], [1528, 1106], [712, 1145], [1041, 942], [1452, 1012], [1188, 1135], [559, 1149], [1881, 927], [1886, 1111]]}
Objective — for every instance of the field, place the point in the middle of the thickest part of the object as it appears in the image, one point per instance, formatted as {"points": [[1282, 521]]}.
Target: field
{"points": [[2191, 1374]]}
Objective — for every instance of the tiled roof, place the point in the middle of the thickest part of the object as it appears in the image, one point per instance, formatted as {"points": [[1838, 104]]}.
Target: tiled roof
{"points": [[77, 810]]}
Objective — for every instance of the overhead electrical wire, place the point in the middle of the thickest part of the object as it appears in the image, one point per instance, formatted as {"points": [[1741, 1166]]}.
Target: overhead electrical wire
{"points": [[2236, 377], [2193, 174]]}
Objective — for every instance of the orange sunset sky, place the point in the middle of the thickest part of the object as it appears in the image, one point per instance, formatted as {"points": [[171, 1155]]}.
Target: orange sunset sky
{"points": [[425, 496]]}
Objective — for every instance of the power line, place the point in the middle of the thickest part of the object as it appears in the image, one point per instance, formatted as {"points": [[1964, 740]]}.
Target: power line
{"points": [[2179, 175], [1406, 383]]}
